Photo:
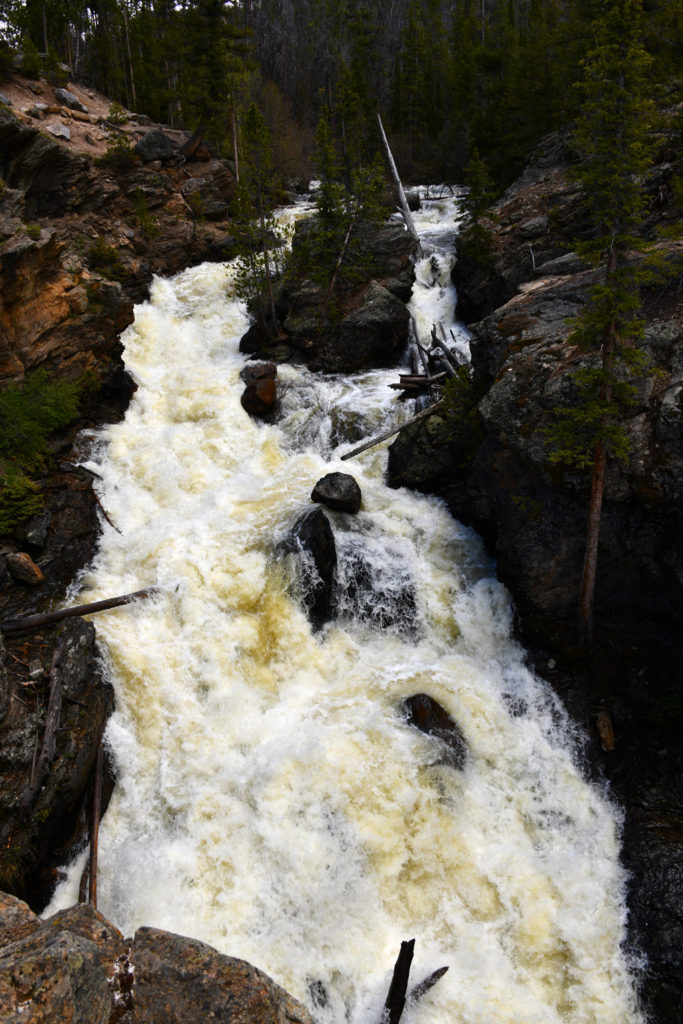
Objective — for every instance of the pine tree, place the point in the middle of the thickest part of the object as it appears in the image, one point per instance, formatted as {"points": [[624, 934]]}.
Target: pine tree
{"points": [[612, 139]]}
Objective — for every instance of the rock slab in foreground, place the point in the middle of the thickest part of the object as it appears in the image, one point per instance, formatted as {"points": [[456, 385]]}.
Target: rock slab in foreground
{"points": [[76, 966]]}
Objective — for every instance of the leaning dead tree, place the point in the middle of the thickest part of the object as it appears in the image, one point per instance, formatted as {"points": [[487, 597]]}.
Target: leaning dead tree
{"points": [[47, 618], [403, 202], [398, 994], [396, 430]]}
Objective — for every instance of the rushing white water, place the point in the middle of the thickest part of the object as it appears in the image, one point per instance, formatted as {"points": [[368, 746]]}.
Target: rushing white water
{"points": [[270, 798]]}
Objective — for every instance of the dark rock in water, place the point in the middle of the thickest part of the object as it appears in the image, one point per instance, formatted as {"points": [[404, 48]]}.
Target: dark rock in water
{"points": [[429, 717], [257, 370], [175, 976], [338, 491], [313, 540], [259, 397], [155, 146]]}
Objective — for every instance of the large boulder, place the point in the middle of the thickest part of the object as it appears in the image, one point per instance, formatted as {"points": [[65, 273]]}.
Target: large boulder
{"points": [[179, 980], [312, 543], [427, 715], [76, 966], [70, 100], [154, 145], [364, 324], [338, 491]]}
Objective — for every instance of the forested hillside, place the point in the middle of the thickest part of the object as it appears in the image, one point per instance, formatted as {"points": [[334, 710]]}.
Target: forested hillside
{"points": [[448, 76]]}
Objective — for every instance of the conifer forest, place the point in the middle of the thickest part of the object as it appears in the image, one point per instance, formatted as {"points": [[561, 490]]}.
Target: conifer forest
{"points": [[450, 78]]}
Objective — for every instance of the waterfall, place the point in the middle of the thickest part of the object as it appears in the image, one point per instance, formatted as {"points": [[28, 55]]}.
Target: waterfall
{"points": [[271, 799]]}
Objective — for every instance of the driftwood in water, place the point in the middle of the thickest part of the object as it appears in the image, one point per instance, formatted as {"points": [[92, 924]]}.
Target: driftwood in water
{"points": [[54, 708], [424, 986], [453, 364], [407, 216], [396, 430], [95, 827], [47, 618], [396, 997]]}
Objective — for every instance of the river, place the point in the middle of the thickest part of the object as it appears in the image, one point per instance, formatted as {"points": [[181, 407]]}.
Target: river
{"points": [[271, 800]]}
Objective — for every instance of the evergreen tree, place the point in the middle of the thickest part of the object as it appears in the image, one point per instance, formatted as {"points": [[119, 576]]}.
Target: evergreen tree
{"points": [[612, 139]]}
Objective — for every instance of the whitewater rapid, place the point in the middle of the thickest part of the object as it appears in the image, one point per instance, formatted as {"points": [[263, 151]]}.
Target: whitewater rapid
{"points": [[270, 798]]}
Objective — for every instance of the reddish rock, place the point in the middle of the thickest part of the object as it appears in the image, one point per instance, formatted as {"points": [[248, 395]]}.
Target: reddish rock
{"points": [[256, 370], [23, 568], [259, 397], [179, 980], [17, 920]]}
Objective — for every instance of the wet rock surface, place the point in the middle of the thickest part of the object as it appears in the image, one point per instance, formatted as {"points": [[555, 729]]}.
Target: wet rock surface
{"points": [[427, 715], [312, 543], [627, 691], [368, 326], [77, 966], [338, 491]]}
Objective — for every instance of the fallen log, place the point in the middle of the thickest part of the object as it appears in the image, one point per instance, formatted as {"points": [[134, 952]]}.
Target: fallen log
{"points": [[396, 997], [48, 618], [54, 708], [396, 430]]}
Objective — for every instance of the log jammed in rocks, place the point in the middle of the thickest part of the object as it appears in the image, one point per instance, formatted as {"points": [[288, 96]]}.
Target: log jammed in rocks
{"points": [[48, 618]]}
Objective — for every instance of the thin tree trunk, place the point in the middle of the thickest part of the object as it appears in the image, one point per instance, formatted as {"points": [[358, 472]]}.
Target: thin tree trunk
{"points": [[390, 433], [54, 708], [407, 216], [47, 618], [95, 827], [130, 56], [233, 125], [45, 29], [590, 562]]}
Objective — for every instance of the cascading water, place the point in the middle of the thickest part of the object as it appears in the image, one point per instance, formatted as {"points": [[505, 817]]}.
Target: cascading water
{"points": [[270, 799]]}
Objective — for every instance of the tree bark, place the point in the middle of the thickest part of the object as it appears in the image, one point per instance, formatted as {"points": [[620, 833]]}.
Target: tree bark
{"points": [[407, 216], [396, 997], [390, 433], [54, 708], [47, 618], [95, 827], [590, 561]]}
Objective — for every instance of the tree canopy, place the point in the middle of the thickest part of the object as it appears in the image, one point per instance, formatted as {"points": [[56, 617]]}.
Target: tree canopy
{"points": [[449, 79]]}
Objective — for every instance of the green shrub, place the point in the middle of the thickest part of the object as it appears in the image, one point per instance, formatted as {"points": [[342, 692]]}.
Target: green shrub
{"points": [[30, 65], [117, 114], [29, 413], [119, 153], [33, 231], [55, 72], [105, 260], [146, 221]]}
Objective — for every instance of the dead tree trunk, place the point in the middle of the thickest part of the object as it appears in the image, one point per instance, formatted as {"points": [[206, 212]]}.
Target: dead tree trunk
{"points": [[407, 215], [47, 618], [396, 430], [396, 997], [54, 708], [95, 827]]}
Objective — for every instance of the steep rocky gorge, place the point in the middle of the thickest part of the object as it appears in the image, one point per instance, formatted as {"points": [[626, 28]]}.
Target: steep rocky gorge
{"points": [[498, 477], [66, 300]]}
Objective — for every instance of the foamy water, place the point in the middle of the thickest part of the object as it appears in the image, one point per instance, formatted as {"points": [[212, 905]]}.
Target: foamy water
{"points": [[270, 798]]}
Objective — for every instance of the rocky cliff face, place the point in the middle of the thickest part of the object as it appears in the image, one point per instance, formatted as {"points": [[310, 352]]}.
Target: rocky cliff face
{"points": [[533, 515], [81, 236], [80, 240]]}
